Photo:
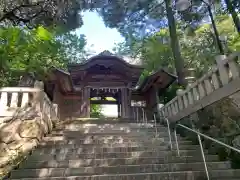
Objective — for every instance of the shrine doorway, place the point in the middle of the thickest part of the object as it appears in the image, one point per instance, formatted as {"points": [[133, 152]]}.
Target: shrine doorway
{"points": [[106, 99]]}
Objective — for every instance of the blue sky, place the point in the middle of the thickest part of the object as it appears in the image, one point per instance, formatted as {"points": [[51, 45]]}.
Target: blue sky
{"points": [[98, 36]]}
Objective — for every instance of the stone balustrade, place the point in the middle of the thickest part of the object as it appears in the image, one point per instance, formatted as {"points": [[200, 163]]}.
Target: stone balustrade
{"points": [[26, 115], [221, 81], [13, 98], [18, 100]]}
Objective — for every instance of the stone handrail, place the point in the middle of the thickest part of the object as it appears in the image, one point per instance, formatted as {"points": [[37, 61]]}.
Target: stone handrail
{"points": [[16, 99], [221, 81]]}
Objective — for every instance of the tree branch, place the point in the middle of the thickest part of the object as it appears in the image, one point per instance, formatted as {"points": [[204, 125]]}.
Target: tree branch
{"points": [[12, 16]]}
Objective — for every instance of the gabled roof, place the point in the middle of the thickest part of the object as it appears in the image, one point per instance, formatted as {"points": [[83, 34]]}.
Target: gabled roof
{"points": [[66, 84], [107, 56], [161, 79]]}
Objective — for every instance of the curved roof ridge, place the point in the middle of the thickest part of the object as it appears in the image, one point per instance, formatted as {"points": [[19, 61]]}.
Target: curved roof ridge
{"points": [[107, 55]]}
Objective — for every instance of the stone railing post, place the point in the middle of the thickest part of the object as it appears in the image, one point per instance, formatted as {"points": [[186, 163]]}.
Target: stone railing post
{"points": [[221, 61], [39, 96]]}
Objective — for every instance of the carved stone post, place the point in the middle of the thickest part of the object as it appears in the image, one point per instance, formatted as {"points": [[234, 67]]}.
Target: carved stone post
{"points": [[38, 97], [190, 76], [58, 100], [220, 60]]}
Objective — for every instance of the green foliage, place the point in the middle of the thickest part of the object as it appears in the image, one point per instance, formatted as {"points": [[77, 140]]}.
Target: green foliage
{"points": [[74, 47], [198, 49], [157, 52], [34, 51], [96, 111], [226, 27]]}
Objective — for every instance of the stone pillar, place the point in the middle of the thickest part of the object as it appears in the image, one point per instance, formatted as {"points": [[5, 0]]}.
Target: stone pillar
{"points": [[57, 99], [38, 97]]}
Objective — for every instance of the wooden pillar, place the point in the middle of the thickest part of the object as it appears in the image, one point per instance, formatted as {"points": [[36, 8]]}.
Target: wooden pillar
{"points": [[86, 102], [158, 102], [119, 108], [124, 103], [128, 103]]}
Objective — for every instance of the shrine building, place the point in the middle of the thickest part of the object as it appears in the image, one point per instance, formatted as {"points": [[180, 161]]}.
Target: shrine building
{"points": [[102, 76]]}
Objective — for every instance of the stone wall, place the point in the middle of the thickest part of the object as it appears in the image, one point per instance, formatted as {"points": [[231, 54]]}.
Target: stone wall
{"points": [[19, 136], [33, 116]]}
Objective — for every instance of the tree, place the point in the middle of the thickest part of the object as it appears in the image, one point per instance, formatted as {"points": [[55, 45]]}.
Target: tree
{"points": [[74, 47], [198, 49], [234, 14], [63, 13], [139, 19], [32, 51], [96, 111], [179, 63], [194, 15]]}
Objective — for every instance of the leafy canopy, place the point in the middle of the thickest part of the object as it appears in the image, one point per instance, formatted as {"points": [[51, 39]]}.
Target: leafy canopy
{"points": [[36, 51]]}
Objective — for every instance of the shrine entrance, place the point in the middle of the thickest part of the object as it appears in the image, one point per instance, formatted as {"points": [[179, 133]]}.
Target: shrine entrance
{"points": [[100, 77], [107, 98]]}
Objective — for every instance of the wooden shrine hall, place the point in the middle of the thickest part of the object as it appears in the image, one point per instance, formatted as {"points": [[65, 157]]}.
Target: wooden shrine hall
{"points": [[102, 76]]}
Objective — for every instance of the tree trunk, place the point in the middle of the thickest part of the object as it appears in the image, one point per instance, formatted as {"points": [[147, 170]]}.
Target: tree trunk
{"points": [[234, 14], [179, 62]]}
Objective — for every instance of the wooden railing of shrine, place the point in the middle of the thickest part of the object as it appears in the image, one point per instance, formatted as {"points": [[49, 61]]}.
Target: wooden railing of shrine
{"points": [[16, 101], [221, 81]]}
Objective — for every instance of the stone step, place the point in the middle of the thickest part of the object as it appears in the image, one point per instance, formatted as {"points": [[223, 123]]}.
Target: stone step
{"points": [[175, 175], [103, 140], [109, 138], [75, 133], [111, 129], [114, 161], [114, 125], [75, 144], [158, 141], [114, 131], [80, 148], [132, 130], [136, 135], [124, 142], [107, 149], [137, 154], [116, 144]]}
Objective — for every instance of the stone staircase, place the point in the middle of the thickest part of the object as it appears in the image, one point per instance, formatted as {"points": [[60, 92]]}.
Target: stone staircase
{"points": [[117, 151]]}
